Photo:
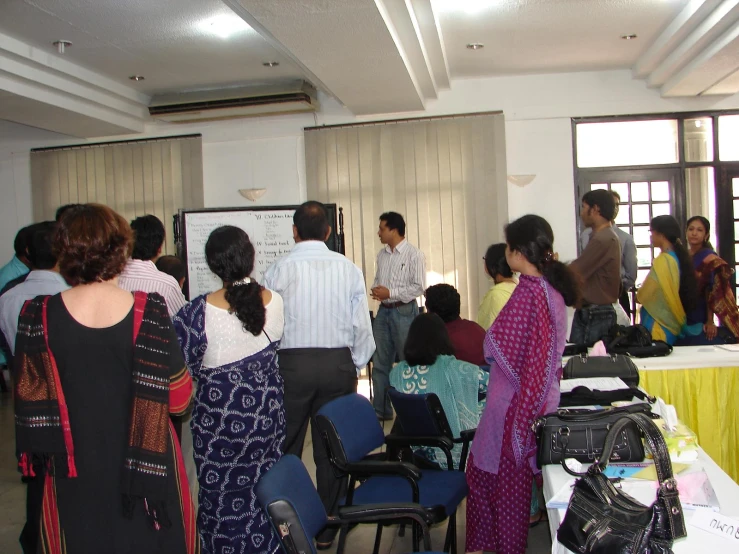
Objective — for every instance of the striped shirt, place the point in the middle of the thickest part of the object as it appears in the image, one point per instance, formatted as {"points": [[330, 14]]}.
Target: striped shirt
{"points": [[402, 271], [324, 299], [143, 275]]}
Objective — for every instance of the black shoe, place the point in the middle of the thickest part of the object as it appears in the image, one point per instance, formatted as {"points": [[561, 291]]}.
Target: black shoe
{"points": [[381, 417], [325, 539]]}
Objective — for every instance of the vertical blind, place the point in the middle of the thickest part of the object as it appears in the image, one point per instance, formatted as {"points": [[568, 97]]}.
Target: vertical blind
{"points": [[157, 177], [446, 176]]}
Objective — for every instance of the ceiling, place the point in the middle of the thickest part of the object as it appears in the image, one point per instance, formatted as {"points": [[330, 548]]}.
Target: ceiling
{"points": [[374, 56]]}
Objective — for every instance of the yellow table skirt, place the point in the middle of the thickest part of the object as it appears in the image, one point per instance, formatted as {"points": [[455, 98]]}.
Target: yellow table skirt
{"points": [[707, 401]]}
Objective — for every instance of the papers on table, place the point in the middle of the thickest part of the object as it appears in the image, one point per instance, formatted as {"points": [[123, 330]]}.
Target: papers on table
{"points": [[729, 347], [693, 486], [593, 383]]}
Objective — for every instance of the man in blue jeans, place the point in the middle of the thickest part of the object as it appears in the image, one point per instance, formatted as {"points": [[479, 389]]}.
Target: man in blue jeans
{"points": [[400, 279]]}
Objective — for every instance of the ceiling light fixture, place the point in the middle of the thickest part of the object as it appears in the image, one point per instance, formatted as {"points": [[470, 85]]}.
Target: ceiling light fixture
{"points": [[628, 37], [475, 45], [61, 45], [270, 64], [223, 25], [252, 194], [137, 77]]}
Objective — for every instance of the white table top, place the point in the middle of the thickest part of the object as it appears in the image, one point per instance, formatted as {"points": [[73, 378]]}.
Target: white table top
{"points": [[688, 357], [697, 541]]}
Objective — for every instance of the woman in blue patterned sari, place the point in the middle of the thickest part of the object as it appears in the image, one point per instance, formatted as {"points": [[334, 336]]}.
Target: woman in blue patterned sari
{"points": [[229, 341]]}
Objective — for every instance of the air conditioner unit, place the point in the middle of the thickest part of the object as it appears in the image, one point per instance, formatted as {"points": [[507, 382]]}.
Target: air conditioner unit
{"points": [[231, 103]]}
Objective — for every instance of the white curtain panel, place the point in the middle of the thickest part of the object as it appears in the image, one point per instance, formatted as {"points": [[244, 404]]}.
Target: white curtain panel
{"points": [[446, 176], [135, 178]]}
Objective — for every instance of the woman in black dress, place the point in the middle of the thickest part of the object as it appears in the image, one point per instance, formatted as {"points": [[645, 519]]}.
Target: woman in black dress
{"points": [[99, 372]]}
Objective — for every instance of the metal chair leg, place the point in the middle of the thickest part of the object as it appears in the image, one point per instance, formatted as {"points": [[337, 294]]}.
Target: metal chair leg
{"points": [[342, 539], [378, 539]]}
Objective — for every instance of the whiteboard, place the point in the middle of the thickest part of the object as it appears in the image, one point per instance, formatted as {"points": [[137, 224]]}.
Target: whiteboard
{"points": [[270, 230]]}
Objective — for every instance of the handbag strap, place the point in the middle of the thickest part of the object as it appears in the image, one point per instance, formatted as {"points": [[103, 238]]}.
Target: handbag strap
{"points": [[667, 491]]}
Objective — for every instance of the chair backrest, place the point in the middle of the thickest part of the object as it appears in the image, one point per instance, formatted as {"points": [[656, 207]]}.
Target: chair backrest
{"points": [[420, 415], [287, 494], [351, 426]]}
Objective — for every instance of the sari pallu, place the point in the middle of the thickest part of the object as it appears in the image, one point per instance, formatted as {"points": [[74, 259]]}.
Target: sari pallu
{"points": [[714, 284], [45, 438], [662, 310]]}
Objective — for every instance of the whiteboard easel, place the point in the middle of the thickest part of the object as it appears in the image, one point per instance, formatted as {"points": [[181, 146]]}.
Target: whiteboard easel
{"points": [[270, 230]]}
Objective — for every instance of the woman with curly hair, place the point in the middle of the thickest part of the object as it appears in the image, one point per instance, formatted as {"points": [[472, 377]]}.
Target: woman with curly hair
{"points": [[98, 373], [229, 339]]}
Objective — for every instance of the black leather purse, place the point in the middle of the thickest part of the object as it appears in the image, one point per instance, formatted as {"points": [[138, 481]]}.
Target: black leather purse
{"points": [[615, 365], [602, 519], [581, 434]]}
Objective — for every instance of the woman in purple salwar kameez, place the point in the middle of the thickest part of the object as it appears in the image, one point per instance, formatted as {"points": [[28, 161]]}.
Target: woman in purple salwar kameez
{"points": [[524, 348]]}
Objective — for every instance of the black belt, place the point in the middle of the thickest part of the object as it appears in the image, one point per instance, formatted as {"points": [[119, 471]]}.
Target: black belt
{"points": [[394, 305]]}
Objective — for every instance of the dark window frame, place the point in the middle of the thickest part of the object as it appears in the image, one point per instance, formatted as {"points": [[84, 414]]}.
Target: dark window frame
{"points": [[721, 171]]}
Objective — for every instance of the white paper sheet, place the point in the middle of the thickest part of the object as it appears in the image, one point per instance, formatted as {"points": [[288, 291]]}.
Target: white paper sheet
{"points": [[593, 383]]}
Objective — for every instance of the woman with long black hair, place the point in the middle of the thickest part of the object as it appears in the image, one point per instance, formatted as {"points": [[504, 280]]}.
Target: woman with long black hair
{"points": [[229, 340], [524, 348], [670, 289]]}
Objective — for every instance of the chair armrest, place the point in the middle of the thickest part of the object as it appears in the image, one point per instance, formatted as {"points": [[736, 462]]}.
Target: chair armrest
{"points": [[401, 469], [380, 512], [466, 436], [403, 440]]}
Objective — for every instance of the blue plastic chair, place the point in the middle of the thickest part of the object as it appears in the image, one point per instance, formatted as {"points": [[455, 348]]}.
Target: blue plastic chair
{"points": [[423, 422], [294, 508], [351, 432]]}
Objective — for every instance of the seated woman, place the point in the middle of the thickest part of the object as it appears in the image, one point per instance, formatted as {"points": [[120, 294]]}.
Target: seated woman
{"points": [[430, 367], [715, 294], [669, 291], [504, 283], [229, 340]]}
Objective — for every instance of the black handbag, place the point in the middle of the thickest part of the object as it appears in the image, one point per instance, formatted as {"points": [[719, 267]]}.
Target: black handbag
{"points": [[602, 519], [583, 396], [636, 341], [581, 434], [615, 365]]}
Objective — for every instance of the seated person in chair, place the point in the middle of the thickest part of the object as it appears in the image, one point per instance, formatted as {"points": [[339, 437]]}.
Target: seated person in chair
{"points": [[466, 336], [430, 367]]}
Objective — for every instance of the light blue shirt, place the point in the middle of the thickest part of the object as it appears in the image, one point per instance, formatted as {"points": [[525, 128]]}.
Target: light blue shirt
{"points": [[324, 299], [38, 282], [14, 268]]}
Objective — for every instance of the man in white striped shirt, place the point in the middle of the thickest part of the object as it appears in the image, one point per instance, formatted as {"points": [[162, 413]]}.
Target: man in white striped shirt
{"points": [[140, 272], [400, 279], [327, 338]]}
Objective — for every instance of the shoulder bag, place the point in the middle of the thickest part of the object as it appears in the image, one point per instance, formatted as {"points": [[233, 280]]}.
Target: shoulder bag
{"points": [[601, 519], [581, 434]]}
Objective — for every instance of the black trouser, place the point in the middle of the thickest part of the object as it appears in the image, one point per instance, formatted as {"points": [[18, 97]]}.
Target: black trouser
{"points": [[313, 377]]}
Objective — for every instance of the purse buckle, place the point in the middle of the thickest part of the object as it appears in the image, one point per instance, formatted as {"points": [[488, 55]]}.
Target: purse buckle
{"points": [[669, 487]]}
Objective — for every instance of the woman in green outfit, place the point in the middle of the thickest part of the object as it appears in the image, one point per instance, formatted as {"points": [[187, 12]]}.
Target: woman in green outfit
{"points": [[430, 367]]}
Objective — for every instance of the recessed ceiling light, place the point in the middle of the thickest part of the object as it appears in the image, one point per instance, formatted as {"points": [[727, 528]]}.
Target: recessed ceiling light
{"points": [[61, 45], [223, 25], [137, 77], [628, 37], [475, 45], [271, 64]]}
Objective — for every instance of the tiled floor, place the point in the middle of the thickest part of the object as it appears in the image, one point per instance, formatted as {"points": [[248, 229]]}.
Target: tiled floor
{"points": [[360, 540]]}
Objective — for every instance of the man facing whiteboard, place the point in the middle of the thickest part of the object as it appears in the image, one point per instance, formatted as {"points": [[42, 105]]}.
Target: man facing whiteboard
{"points": [[327, 338]]}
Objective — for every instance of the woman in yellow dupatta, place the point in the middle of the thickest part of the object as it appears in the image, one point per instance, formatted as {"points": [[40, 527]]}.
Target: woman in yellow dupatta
{"points": [[669, 291]]}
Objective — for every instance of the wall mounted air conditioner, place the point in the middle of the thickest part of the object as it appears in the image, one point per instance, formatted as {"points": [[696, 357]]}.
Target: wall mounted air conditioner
{"points": [[231, 103]]}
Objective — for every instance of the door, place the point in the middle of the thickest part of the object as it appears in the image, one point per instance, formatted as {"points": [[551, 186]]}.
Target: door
{"points": [[645, 193]]}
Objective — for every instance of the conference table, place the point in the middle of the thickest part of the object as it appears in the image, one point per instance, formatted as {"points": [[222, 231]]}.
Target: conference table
{"points": [[697, 541], [702, 382]]}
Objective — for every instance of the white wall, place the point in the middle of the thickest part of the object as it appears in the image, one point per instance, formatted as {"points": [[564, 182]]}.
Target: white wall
{"points": [[268, 152]]}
